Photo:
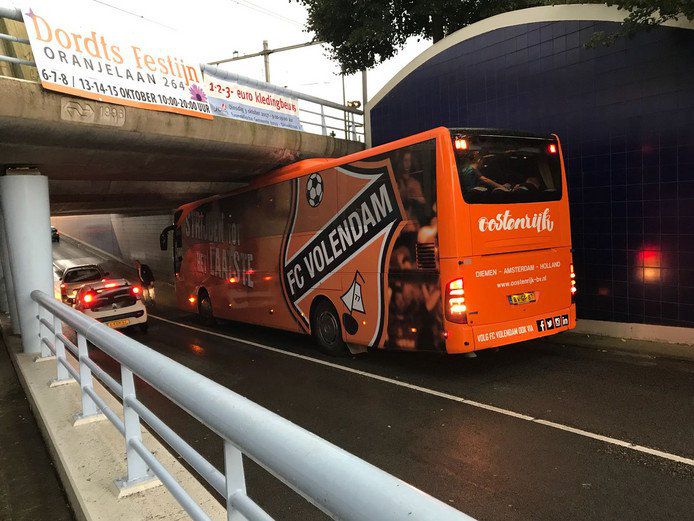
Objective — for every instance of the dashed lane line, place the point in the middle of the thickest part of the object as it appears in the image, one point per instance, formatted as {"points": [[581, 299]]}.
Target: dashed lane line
{"points": [[447, 396]]}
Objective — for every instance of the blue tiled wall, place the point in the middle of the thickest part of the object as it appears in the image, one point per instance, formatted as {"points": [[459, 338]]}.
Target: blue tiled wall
{"points": [[625, 115]]}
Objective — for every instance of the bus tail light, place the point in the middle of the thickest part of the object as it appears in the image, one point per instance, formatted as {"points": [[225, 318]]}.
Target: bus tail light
{"points": [[456, 309], [573, 284]]}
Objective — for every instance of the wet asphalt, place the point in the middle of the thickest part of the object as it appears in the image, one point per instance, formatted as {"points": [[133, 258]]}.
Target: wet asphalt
{"points": [[486, 463]]}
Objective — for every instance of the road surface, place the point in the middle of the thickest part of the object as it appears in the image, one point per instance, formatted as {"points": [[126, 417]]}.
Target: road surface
{"points": [[539, 430]]}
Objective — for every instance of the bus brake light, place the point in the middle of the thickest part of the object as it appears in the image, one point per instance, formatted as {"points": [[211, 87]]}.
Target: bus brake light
{"points": [[456, 309]]}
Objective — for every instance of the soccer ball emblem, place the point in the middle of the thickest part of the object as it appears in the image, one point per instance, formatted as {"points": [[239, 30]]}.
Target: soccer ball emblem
{"points": [[314, 189]]}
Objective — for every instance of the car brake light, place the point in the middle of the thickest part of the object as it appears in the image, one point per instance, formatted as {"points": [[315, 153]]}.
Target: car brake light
{"points": [[87, 299], [456, 309], [552, 148], [192, 299], [136, 291], [573, 283], [460, 143], [111, 285]]}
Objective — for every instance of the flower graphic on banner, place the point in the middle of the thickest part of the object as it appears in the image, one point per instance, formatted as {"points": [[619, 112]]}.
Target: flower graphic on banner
{"points": [[197, 93]]}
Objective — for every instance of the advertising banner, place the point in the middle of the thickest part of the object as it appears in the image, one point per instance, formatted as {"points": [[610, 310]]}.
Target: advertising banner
{"points": [[93, 51], [233, 100]]}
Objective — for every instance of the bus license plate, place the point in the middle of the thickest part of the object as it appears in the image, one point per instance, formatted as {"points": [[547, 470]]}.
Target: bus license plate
{"points": [[522, 298], [118, 323]]}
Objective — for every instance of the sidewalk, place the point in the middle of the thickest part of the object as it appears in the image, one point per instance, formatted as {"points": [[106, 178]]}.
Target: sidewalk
{"points": [[29, 486]]}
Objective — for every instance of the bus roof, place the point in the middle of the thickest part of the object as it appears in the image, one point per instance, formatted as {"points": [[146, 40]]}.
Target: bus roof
{"points": [[498, 132], [309, 166]]}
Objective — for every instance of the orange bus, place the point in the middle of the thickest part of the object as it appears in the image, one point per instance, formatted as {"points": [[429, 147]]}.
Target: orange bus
{"points": [[452, 240]]}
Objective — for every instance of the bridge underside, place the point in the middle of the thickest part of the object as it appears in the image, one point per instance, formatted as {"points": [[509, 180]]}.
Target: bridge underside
{"points": [[103, 158]]}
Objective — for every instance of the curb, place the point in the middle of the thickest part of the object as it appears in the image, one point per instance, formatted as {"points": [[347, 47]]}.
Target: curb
{"points": [[624, 345]]}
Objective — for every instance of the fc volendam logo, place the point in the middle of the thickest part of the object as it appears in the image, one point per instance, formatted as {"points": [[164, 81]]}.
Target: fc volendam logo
{"points": [[314, 189]]}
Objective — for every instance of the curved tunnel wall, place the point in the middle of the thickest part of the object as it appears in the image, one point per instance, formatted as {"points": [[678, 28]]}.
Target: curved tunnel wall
{"points": [[625, 115]]}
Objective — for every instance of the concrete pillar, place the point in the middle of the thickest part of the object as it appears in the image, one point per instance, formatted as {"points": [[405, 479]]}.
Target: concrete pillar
{"points": [[7, 276], [24, 197]]}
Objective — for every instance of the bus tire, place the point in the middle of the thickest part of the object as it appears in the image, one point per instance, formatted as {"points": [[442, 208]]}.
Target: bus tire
{"points": [[326, 329], [205, 309]]}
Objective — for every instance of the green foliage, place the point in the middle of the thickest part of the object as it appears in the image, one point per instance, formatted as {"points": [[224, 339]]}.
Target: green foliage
{"points": [[643, 15], [364, 33]]}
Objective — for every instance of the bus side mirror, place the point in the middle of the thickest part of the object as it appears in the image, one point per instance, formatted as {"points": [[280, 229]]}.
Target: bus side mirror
{"points": [[164, 237]]}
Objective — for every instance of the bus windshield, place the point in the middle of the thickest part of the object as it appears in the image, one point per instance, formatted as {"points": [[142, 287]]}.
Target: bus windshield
{"points": [[507, 169]]}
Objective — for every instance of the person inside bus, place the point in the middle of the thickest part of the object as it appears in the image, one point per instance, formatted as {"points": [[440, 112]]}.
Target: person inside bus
{"points": [[472, 179], [531, 184]]}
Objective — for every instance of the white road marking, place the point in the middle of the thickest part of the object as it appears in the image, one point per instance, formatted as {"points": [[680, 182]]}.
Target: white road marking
{"points": [[447, 396]]}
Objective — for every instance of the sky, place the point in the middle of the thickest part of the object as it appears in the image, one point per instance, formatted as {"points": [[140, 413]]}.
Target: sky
{"points": [[214, 29]]}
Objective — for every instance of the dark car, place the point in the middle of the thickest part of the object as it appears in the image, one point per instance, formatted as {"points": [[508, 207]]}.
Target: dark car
{"points": [[55, 236]]}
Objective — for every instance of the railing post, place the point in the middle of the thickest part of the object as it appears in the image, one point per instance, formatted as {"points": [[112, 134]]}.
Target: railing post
{"points": [[139, 476], [62, 377], [90, 412], [236, 481], [45, 354], [322, 120]]}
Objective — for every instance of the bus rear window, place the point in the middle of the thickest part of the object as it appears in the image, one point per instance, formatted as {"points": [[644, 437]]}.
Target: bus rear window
{"points": [[505, 169]]}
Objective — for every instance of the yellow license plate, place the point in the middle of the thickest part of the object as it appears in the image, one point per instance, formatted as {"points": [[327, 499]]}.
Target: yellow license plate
{"points": [[118, 323], [522, 298]]}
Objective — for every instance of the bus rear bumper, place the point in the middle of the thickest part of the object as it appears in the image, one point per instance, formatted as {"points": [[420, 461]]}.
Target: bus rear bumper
{"points": [[463, 339]]}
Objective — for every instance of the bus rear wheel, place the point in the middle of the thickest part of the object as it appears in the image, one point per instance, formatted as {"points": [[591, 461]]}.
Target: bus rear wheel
{"points": [[205, 309], [326, 329]]}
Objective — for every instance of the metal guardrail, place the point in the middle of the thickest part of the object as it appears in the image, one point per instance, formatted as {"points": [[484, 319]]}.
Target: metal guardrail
{"points": [[351, 128], [335, 481]]}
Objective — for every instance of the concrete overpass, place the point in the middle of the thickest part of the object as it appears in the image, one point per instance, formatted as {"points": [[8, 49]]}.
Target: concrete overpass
{"points": [[104, 158]]}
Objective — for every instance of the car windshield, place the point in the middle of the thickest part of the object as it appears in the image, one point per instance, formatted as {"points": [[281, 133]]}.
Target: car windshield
{"points": [[508, 169], [82, 275]]}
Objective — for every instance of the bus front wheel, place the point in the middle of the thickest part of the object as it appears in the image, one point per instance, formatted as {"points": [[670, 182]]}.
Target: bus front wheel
{"points": [[205, 309], [326, 329]]}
